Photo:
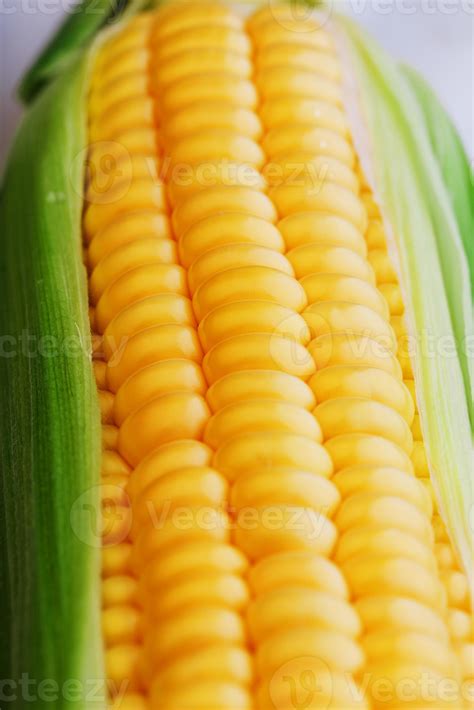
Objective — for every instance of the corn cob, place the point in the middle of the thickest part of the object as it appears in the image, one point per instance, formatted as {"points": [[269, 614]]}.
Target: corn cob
{"points": [[228, 379], [270, 529]]}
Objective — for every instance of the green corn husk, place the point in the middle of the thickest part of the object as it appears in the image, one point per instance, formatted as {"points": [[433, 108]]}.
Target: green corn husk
{"points": [[76, 33], [50, 428], [453, 162], [427, 211]]}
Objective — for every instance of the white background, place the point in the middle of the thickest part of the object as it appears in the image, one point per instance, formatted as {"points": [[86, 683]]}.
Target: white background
{"points": [[435, 36]]}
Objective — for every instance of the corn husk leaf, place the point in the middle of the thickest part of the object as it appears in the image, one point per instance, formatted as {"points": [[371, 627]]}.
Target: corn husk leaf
{"points": [[50, 424], [453, 162], [76, 33], [425, 241]]}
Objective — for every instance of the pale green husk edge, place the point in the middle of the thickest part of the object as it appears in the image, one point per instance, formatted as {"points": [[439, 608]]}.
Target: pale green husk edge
{"points": [[452, 159], [425, 235]]}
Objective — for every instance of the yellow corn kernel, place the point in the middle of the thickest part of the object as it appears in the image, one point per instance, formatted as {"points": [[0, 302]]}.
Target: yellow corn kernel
{"points": [[259, 384], [358, 381], [241, 317], [259, 351], [183, 416], [256, 449], [232, 256], [225, 116], [218, 199], [311, 260], [228, 228], [156, 379], [254, 416], [119, 590]]}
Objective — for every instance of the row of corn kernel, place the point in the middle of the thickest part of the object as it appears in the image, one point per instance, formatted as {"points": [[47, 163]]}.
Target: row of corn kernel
{"points": [[121, 240], [195, 586], [386, 276], [406, 630], [365, 415], [121, 617], [220, 673], [301, 620], [455, 582], [300, 130], [459, 619], [117, 138]]}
